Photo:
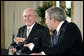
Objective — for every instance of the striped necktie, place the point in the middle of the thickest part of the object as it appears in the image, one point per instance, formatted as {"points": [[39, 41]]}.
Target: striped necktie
{"points": [[54, 39]]}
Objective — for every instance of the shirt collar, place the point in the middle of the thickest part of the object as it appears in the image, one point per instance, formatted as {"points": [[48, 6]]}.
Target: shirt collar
{"points": [[59, 26], [31, 26]]}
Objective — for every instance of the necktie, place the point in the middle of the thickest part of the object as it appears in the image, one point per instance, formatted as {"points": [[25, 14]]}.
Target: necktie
{"points": [[28, 31], [55, 37]]}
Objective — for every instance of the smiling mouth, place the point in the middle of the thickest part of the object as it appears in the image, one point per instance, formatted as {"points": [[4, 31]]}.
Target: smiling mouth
{"points": [[28, 21]]}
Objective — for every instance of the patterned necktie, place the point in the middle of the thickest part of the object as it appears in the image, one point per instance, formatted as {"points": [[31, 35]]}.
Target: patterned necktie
{"points": [[54, 40], [28, 31]]}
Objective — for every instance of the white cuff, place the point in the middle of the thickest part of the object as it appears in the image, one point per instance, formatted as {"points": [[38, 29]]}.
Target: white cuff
{"points": [[43, 53], [31, 46]]}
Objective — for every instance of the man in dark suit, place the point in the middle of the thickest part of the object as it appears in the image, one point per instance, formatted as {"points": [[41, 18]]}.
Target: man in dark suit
{"points": [[67, 36], [36, 35]]}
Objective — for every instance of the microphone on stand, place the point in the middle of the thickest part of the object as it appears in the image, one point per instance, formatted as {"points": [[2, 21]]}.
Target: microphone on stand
{"points": [[10, 52]]}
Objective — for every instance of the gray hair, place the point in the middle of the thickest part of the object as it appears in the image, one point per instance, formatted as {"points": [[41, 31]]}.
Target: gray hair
{"points": [[31, 9], [55, 12]]}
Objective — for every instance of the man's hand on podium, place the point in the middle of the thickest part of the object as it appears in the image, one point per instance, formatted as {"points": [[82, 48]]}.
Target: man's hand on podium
{"points": [[35, 54]]}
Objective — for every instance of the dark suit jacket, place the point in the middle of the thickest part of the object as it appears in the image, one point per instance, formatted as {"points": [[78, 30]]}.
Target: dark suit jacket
{"points": [[39, 35], [68, 42]]}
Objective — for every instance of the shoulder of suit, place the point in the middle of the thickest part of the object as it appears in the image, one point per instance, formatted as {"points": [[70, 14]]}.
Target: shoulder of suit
{"points": [[71, 26], [41, 26], [23, 27]]}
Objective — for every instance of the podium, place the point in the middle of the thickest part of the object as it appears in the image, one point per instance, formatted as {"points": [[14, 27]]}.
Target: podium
{"points": [[4, 51]]}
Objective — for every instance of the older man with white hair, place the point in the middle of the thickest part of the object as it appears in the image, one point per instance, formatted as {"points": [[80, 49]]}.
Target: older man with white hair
{"points": [[36, 36]]}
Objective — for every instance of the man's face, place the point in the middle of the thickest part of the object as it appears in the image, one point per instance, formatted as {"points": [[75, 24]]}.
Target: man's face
{"points": [[29, 17], [49, 22]]}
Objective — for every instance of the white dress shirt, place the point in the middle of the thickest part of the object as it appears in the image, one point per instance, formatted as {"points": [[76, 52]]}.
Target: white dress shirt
{"points": [[30, 27], [31, 45], [59, 26]]}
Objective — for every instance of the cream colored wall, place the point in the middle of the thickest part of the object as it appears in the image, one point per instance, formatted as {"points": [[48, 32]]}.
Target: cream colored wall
{"points": [[78, 15], [13, 17]]}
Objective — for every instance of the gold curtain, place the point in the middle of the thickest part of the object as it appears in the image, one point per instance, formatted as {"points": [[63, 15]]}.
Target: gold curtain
{"points": [[2, 25], [51, 2], [63, 5], [72, 10]]}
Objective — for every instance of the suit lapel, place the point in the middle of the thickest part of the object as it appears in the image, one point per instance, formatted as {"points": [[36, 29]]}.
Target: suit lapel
{"points": [[33, 31], [25, 33], [61, 31]]}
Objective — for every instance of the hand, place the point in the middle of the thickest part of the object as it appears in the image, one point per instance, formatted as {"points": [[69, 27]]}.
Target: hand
{"points": [[35, 54], [27, 45], [18, 39]]}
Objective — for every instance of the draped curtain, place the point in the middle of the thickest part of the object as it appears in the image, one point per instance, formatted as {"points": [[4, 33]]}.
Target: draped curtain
{"points": [[2, 24]]}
